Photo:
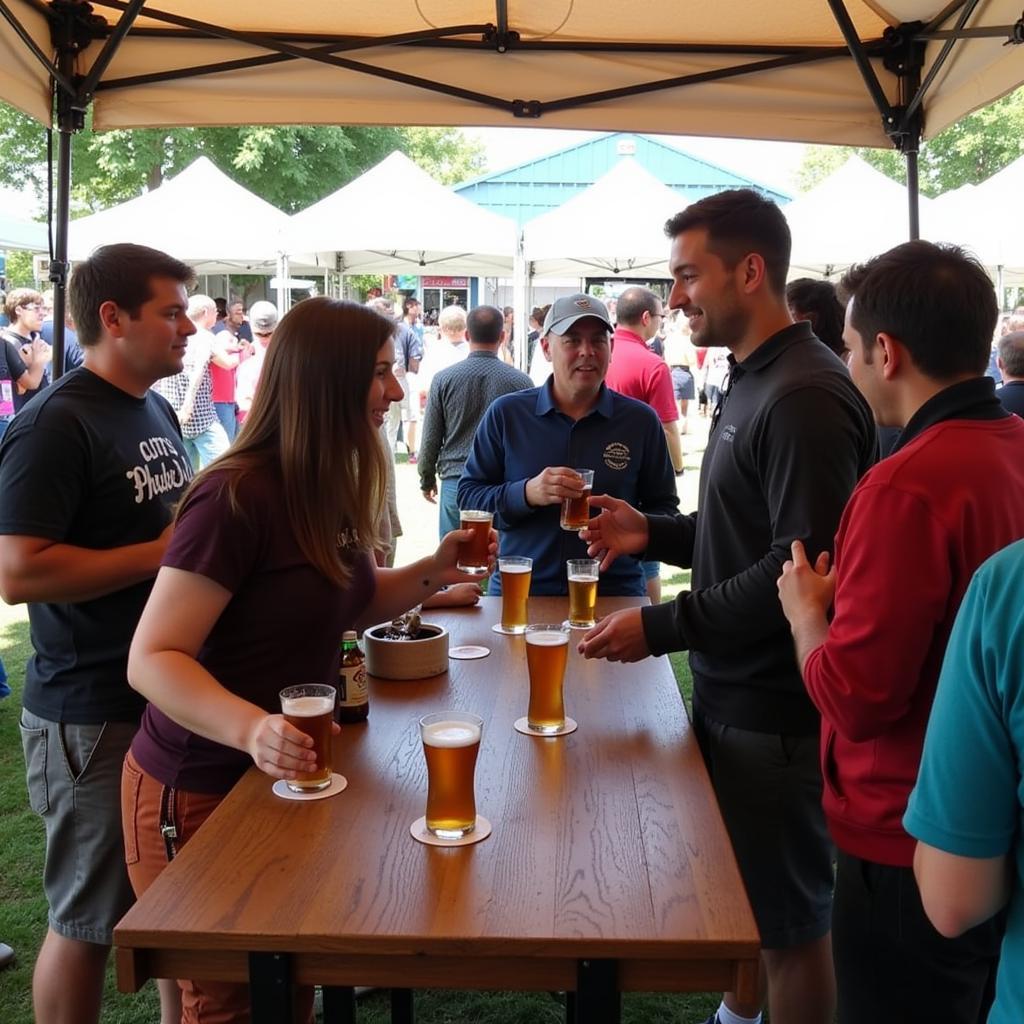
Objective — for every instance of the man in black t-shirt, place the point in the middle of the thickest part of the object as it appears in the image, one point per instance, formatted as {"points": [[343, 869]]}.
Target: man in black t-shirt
{"points": [[89, 475]]}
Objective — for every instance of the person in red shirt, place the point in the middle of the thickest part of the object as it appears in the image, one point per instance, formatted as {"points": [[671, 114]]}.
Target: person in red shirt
{"points": [[920, 522], [635, 371]]}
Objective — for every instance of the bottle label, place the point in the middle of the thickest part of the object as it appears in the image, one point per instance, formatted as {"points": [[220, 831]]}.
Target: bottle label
{"points": [[353, 691]]}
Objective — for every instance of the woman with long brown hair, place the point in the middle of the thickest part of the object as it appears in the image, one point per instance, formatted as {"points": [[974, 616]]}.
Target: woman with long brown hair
{"points": [[270, 561]]}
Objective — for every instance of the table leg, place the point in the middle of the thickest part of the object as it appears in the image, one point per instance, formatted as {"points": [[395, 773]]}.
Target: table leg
{"points": [[402, 1009], [597, 998], [270, 987], [339, 1004]]}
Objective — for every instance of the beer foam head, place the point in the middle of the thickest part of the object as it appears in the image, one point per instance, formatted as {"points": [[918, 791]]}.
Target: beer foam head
{"points": [[583, 577], [547, 638], [475, 516], [307, 707], [451, 734], [514, 567]]}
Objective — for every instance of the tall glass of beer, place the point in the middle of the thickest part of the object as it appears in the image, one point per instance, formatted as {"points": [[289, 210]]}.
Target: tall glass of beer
{"points": [[583, 574], [516, 573], [451, 742], [472, 557], [547, 651], [576, 511], [310, 709]]}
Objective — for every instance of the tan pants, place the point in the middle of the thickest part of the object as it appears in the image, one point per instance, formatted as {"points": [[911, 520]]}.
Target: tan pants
{"points": [[202, 1002]]}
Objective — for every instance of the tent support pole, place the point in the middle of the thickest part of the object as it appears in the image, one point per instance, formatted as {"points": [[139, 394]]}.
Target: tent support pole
{"points": [[68, 35]]}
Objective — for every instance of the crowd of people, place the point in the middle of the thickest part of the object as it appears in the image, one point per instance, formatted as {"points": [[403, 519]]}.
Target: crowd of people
{"points": [[852, 620]]}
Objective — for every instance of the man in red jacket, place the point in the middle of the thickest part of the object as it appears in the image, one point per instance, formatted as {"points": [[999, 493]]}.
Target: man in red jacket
{"points": [[919, 326]]}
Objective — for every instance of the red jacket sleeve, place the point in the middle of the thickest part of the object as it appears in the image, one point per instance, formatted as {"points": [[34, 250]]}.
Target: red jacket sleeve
{"points": [[894, 580]]}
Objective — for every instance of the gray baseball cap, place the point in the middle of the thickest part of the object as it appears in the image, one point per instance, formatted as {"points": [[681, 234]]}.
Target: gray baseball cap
{"points": [[263, 317], [564, 312]]}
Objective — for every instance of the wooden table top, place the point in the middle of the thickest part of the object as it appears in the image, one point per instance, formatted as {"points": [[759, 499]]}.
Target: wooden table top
{"points": [[606, 843]]}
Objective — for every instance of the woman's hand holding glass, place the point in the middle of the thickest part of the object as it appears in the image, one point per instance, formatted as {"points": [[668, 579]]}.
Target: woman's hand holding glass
{"points": [[279, 749], [447, 554]]}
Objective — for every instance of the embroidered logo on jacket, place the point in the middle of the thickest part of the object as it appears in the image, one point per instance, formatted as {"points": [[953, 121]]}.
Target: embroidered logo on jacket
{"points": [[616, 455]]}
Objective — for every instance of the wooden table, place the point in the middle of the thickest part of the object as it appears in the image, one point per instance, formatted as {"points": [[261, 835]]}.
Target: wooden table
{"points": [[608, 870]]}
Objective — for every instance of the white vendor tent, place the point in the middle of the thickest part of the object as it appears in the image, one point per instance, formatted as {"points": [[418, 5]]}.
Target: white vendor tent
{"points": [[616, 226], [187, 217], [986, 219], [396, 219], [855, 213]]}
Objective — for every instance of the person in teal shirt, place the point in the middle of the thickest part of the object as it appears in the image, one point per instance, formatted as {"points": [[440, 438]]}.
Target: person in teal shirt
{"points": [[966, 810]]}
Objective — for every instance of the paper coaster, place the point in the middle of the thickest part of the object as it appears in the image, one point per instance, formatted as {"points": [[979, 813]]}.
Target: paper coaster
{"points": [[568, 625], [499, 628], [467, 652], [418, 830], [522, 725], [338, 783]]}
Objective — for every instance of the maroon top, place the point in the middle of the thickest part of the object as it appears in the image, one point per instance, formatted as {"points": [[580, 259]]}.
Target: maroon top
{"points": [[282, 626]]}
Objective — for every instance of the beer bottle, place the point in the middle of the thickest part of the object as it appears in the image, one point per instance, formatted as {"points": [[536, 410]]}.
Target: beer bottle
{"points": [[353, 693]]}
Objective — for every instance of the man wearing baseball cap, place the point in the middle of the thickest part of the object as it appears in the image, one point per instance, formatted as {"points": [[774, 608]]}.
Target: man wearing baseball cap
{"points": [[263, 318], [530, 444]]}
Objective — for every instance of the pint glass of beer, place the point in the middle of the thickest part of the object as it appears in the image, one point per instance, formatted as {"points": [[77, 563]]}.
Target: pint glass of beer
{"points": [[547, 650], [310, 709], [583, 573], [451, 741], [516, 573], [576, 511], [472, 557]]}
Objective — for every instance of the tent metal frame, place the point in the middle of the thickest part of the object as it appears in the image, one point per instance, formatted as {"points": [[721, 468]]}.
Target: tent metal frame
{"points": [[74, 26]]}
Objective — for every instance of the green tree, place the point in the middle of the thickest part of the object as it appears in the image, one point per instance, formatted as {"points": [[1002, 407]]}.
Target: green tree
{"points": [[966, 152], [290, 166]]}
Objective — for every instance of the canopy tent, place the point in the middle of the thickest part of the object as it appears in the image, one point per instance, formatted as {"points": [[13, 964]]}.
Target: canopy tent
{"points": [[742, 69], [396, 219], [854, 213], [839, 71], [613, 227], [185, 216], [985, 219]]}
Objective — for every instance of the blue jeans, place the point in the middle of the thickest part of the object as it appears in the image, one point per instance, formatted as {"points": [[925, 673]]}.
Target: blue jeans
{"points": [[448, 518], [228, 420], [205, 447], [5, 690]]}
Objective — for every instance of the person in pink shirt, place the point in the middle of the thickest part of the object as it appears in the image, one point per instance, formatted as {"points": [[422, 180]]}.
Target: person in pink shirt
{"points": [[635, 371]]}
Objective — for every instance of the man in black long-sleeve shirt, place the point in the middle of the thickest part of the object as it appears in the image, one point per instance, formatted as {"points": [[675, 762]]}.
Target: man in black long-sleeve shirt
{"points": [[789, 440]]}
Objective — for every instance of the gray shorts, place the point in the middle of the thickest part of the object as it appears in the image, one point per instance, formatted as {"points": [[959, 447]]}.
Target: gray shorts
{"points": [[74, 785], [769, 792]]}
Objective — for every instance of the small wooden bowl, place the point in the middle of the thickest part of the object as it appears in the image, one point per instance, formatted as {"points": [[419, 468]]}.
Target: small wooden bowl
{"points": [[425, 656]]}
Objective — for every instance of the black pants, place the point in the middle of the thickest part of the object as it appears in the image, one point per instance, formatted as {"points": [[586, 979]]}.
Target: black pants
{"points": [[892, 966]]}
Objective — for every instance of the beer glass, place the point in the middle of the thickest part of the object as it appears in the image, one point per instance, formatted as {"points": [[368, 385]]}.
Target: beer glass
{"points": [[451, 742], [547, 650], [310, 709], [516, 573], [576, 511], [472, 556], [583, 574]]}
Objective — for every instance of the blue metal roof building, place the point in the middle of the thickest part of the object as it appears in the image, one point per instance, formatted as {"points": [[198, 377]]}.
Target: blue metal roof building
{"points": [[540, 185]]}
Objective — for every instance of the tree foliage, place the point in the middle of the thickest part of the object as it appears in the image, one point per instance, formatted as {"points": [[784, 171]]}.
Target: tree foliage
{"points": [[966, 153], [290, 166]]}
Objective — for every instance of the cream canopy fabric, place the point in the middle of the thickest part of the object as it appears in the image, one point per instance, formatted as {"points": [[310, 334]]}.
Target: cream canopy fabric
{"points": [[555, 52], [201, 216], [396, 219], [855, 213], [614, 226]]}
